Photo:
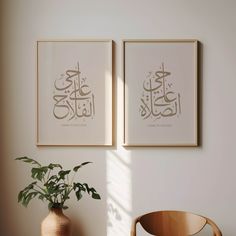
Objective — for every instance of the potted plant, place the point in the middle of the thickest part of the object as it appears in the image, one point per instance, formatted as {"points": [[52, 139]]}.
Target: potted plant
{"points": [[54, 185]]}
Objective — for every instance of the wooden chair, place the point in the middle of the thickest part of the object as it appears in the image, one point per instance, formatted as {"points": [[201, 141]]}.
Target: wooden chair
{"points": [[173, 223]]}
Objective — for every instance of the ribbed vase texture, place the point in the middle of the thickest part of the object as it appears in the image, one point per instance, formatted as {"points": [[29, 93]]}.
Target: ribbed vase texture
{"points": [[56, 224]]}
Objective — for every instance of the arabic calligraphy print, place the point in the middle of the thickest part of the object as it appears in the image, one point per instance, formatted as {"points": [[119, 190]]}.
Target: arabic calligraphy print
{"points": [[160, 92], [159, 100], [74, 93], [73, 99]]}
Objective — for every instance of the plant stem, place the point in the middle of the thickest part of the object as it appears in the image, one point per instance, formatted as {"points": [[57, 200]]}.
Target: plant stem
{"points": [[48, 198], [72, 180], [48, 174], [40, 187]]}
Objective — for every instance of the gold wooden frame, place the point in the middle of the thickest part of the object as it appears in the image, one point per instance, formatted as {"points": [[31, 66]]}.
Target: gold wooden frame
{"points": [[195, 92], [111, 85]]}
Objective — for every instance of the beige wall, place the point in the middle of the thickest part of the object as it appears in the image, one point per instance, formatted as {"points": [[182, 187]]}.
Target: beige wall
{"points": [[135, 180]]}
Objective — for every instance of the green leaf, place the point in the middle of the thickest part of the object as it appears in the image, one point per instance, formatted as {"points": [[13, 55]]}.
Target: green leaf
{"points": [[39, 173], [25, 196], [79, 166], [30, 186], [79, 186], [95, 195], [78, 195], [63, 173], [28, 197], [51, 188], [87, 188], [41, 197], [20, 196], [53, 178], [28, 160]]}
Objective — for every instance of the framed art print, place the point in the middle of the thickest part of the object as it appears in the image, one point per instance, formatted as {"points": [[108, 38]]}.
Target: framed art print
{"points": [[160, 92], [74, 93]]}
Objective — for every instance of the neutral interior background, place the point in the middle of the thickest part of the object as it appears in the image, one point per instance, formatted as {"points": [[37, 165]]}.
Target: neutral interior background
{"points": [[131, 181]]}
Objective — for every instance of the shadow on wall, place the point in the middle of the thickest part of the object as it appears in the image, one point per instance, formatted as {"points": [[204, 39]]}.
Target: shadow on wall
{"points": [[114, 213], [3, 196], [4, 229]]}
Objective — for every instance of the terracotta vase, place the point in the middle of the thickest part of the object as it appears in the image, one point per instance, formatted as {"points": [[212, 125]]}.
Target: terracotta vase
{"points": [[56, 224]]}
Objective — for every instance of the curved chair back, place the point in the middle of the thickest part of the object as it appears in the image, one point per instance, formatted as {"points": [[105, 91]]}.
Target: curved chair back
{"points": [[173, 223]]}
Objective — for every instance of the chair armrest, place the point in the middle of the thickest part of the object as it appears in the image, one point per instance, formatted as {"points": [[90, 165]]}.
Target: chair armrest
{"points": [[133, 227], [216, 230]]}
